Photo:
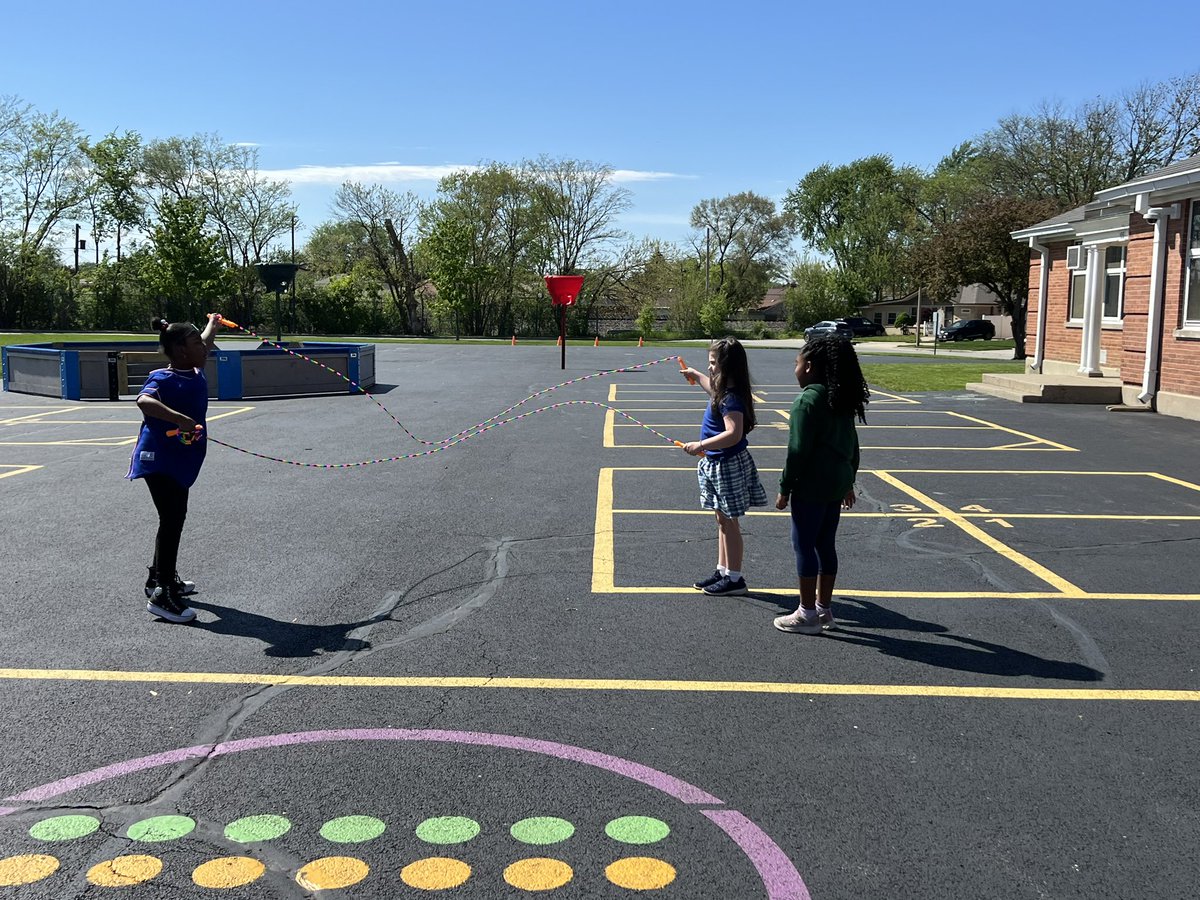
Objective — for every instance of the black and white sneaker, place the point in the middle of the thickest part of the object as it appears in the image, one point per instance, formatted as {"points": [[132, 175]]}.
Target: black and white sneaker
{"points": [[167, 604], [727, 587], [183, 588]]}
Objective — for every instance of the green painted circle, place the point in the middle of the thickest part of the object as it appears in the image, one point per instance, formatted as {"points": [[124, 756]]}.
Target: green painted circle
{"points": [[447, 830], [254, 829], [160, 828], [637, 830], [64, 828], [542, 830], [352, 829]]}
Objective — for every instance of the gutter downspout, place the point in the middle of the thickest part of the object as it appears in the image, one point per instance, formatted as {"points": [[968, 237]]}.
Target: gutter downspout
{"points": [[1161, 216], [1039, 353]]}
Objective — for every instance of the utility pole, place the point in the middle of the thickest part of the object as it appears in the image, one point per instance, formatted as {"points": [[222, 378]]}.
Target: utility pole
{"points": [[292, 298], [707, 257], [76, 248]]}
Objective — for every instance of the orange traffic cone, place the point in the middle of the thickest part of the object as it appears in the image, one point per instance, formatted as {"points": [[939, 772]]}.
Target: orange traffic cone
{"points": [[640, 342], [514, 343], [596, 343], [558, 343]]}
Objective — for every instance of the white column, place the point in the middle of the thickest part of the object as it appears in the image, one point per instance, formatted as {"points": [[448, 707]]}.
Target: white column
{"points": [[1093, 308]]}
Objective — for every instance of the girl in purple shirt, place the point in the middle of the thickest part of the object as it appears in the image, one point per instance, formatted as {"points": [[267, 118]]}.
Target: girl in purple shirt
{"points": [[173, 399]]}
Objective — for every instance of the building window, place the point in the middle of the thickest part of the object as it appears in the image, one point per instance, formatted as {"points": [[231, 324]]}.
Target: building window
{"points": [[891, 318], [1191, 313], [1114, 282], [1114, 286]]}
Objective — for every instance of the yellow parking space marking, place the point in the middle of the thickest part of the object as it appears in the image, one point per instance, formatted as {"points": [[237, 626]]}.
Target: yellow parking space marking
{"points": [[604, 566], [34, 417], [606, 684], [115, 441], [956, 518], [1028, 437], [15, 470]]}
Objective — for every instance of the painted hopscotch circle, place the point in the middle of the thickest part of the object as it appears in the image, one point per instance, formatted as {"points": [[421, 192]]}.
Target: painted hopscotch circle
{"points": [[637, 830], [538, 874], [332, 872], [640, 873], [779, 877], [64, 828], [26, 869], [125, 871], [257, 829], [157, 829], [228, 872], [447, 830], [437, 873], [352, 829], [542, 830]]}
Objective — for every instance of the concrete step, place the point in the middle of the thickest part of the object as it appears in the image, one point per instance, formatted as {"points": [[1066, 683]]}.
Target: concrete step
{"points": [[1017, 395], [1056, 388]]}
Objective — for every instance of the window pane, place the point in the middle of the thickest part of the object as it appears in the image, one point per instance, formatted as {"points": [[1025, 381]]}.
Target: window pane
{"points": [[1112, 296], [1077, 296], [1195, 224], [1193, 297], [1114, 256]]}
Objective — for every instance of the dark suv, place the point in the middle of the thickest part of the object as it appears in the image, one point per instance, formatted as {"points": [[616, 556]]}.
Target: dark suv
{"points": [[863, 327], [968, 330]]}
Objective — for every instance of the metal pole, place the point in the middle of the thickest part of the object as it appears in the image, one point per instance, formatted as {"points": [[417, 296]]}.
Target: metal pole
{"points": [[278, 317], [76, 248], [707, 257], [918, 315], [292, 297], [562, 332]]}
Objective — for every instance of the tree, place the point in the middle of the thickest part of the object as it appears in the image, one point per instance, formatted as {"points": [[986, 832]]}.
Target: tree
{"points": [[976, 248], [42, 178], [188, 275], [115, 169], [745, 233], [579, 205], [385, 220], [861, 215], [813, 295]]}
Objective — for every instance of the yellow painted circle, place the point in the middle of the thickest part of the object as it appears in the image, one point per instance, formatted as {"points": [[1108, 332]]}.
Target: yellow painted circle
{"points": [[124, 871], [26, 869], [538, 874], [435, 873], [228, 872], [640, 873], [332, 872]]}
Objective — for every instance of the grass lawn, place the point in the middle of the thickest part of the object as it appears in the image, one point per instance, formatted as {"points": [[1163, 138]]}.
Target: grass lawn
{"points": [[934, 376], [927, 343]]}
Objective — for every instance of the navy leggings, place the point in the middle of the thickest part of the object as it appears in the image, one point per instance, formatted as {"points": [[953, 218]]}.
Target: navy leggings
{"points": [[814, 531]]}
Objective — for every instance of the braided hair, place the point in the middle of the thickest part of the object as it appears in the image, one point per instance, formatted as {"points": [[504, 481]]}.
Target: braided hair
{"points": [[835, 365], [732, 376]]}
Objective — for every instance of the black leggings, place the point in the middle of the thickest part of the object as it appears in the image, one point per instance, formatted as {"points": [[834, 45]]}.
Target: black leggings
{"points": [[170, 499], [814, 536]]}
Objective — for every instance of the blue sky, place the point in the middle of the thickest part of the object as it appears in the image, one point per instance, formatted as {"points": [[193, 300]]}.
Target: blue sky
{"points": [[690, 100]]}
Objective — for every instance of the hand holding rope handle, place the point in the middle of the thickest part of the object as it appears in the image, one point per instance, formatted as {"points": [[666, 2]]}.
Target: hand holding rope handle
{"points": [[691, 379], [188, 437]]}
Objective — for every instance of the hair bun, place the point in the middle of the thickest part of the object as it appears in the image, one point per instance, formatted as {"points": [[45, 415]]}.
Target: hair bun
{"points": [[160, 324]]}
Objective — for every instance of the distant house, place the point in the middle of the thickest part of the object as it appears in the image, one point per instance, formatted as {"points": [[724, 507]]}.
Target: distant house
{"points": [[772, 307], [971, 302], [1115, 289]]}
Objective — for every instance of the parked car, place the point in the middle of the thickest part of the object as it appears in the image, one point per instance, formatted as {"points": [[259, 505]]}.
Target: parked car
{"points": [[863, 327], [840, 328], [968, 330]]}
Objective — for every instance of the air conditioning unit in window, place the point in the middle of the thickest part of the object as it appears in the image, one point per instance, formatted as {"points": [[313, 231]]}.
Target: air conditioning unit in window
{"points": [[1076, 257]]}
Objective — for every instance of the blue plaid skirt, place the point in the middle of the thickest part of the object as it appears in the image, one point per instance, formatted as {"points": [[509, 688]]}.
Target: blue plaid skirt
{"points": [[731, 484]]}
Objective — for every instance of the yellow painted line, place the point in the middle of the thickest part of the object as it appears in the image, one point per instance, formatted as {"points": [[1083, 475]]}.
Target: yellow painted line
{"points": [[610, 418], [864, 447], [1170, 480], [604, 684], [786, 415], [76, 442], [1030, 437], [17, 470], [1034, 568], [603, 557], [924, 515], [33, 417], [790, 593], [896, 398]]}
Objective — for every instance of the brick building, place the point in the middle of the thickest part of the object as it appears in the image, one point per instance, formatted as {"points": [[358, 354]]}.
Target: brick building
{"points": [[1114, 290]]}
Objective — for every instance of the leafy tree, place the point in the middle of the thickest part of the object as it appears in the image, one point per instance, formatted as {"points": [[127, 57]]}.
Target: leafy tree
{"points": [[743, 233], [861, 215], [579, 205], [115, 168], [813, 295], [189, 273], [646, 318], [976, 248], [713, 313]]}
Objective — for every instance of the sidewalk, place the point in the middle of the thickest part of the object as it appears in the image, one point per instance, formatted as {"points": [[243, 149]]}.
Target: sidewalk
{"points": [[888, 348]]}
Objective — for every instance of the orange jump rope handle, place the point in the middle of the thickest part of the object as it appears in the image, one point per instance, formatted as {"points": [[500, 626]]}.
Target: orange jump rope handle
{"points": [[691, 379], [189, 436], [229, 323]]}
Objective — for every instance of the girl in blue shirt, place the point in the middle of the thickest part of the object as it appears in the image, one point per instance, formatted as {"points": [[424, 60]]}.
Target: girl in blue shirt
{"points": [[729, 482], [174, 398]]}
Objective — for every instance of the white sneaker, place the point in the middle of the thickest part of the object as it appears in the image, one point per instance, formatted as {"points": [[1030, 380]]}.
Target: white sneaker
{"points": [[796, 624], [825, 617]]}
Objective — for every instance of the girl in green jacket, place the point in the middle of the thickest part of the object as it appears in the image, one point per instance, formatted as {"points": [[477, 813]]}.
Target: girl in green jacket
{"points": [[818, 475]]}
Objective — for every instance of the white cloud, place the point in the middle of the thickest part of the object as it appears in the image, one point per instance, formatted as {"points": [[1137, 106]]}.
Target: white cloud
{"points": [[371, 173], [627, 175], [246, 144], [391, 172]]}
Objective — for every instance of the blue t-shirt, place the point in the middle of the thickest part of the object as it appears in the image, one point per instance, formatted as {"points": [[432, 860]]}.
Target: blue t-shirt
{"points": [[714, 424], [187, 393]]}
